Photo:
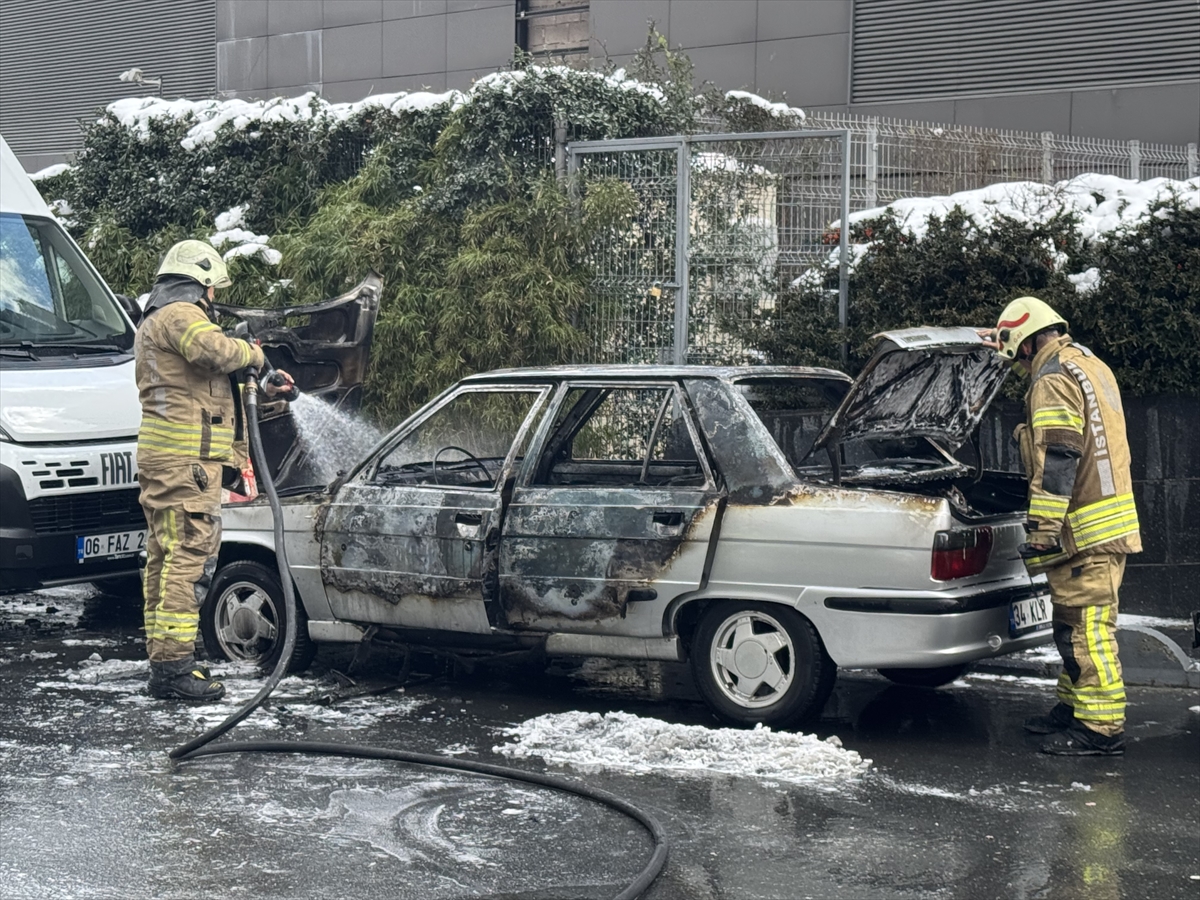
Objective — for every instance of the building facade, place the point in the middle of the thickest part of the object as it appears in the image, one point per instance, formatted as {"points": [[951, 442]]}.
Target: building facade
{"points": [[1122, 69]]}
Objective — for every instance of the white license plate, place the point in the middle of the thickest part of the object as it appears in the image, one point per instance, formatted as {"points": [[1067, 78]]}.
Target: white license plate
{"points": [[1034, 614], [109, 546]]}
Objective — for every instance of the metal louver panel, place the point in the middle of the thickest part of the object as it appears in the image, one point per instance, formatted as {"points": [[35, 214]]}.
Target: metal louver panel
{"points": [[59, 61], [920, 49]]}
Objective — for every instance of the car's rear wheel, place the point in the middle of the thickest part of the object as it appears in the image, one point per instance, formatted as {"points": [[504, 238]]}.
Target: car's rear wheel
{"points": [[244, 618], [931, 677], [760, 663]]}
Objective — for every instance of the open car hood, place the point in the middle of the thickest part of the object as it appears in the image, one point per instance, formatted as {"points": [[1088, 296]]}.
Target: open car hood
{"points": [[325, 347], [935, 383]]}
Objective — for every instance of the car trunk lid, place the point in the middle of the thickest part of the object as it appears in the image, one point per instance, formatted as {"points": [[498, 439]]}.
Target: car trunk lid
{"points": [[935, 383]]}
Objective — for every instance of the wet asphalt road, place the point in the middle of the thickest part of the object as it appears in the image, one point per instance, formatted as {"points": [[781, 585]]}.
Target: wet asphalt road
{"points": [[958, 803]]}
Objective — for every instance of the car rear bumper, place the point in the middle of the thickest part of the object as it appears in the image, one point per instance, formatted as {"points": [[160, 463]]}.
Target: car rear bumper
{"points": [[925, 632]]}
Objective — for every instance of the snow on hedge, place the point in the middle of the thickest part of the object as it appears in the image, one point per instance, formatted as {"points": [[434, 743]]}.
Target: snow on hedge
{"points": [[1103, 204], [623, 742], [211, 115]]}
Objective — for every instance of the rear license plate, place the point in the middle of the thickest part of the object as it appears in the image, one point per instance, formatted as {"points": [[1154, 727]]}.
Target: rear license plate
{"points": [[109, 546], [1025, 616]]}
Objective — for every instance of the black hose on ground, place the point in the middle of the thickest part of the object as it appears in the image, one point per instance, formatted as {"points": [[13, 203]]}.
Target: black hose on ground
{"points": [[201, 745]]}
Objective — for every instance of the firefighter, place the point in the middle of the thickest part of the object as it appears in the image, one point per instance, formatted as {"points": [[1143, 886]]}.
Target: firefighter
{"points": [[1081, 522], [190, 437]]}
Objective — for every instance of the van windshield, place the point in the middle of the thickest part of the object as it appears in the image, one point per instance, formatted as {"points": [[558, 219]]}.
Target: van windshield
{"points": [[50, 300]]}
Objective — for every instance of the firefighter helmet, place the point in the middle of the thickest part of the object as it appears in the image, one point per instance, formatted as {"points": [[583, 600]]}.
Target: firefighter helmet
{"points": [[1022, 319], [198, 261]]}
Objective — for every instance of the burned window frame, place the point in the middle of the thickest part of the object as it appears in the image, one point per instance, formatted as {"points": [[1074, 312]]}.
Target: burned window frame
{"points": [[368, 473], [538, 445]]}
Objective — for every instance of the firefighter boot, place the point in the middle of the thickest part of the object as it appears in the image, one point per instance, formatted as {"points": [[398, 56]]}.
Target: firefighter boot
{"points": [[1079, 740], [183, 679], [1059, 718]]}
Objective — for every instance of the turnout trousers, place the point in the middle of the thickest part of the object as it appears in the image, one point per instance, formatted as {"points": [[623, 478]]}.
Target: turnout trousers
{"points": [[182, 503], [1084, 593]]}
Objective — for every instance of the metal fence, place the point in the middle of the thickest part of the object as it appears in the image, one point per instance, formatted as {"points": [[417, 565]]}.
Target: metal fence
{"points": [[727, 222]]}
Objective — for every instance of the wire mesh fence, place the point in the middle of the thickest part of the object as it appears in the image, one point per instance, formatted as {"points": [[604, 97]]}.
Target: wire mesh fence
{"points": [[751, 215]]}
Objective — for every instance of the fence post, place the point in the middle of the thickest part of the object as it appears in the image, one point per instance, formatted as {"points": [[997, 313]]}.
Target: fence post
{"points": [[1047, 157], [560, 148], [844, 248], [1193, 161], [683, 202], [872, 162], [1135, 160]]}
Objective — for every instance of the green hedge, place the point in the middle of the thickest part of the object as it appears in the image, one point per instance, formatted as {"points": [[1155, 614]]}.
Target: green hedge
{"points": [[1142, 318]]}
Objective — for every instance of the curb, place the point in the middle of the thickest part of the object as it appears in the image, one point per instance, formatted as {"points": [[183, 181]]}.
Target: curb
{"points": [[1148, 659]]}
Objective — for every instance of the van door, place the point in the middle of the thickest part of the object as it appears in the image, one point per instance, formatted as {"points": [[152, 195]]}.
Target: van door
{"points": [[413, 538], [613, 521]]}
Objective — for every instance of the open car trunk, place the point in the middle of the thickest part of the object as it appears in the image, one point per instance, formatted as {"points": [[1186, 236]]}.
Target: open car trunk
{"points": [[325, 347], [916, 404]]}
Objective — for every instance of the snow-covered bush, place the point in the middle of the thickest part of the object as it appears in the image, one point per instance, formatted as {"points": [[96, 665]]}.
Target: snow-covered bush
{"points": [[1119, 259]]}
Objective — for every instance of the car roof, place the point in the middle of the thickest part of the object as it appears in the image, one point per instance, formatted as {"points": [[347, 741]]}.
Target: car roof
{"points": [[641, 372]]}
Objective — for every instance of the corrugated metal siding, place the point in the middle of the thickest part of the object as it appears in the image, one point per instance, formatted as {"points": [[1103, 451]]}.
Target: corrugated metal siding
{"points": [[919, 49], [59, 61]]}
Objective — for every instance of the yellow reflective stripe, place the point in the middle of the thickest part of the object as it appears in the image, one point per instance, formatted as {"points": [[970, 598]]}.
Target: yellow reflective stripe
{"points": [[1048, 505], [1118, 530], [1095, 511], [247, 355], [169, 540], [192, 332], [1098, 645], [1058, 417], [184, 618], [163, 428]]}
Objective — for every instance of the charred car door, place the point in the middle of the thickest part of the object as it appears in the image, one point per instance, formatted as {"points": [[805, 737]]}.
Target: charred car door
{"points": [[613, 518], [412, 539]]}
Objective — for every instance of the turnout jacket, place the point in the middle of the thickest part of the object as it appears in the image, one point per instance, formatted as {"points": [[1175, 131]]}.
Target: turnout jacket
{"points": [[191, 407], [1076, 455]]}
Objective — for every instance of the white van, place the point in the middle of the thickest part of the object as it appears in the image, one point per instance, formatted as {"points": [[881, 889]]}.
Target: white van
{"points": [[69, 410]]}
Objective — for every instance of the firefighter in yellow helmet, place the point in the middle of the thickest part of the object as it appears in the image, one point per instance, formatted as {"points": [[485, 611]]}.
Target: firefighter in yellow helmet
{"points": [[1082, 521], [191, 432]]}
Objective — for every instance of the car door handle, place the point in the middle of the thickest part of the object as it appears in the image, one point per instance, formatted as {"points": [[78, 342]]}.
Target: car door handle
{"points": [[468, 523], [667, 522]]}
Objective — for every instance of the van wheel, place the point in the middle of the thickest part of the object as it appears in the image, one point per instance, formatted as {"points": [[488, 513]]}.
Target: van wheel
{"points": [[244, 618], [931, 678], [760, 662]]}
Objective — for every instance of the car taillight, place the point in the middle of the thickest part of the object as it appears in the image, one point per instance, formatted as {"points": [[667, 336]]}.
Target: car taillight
{"points": [[958, 554]]}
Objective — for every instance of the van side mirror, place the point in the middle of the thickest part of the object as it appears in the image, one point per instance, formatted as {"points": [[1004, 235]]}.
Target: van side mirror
{"points": [[131, 308]]}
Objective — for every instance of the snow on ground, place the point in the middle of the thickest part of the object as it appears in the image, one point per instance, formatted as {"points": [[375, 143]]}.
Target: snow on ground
{"points": [[295, 698], [1152, 621], [623, 742]]}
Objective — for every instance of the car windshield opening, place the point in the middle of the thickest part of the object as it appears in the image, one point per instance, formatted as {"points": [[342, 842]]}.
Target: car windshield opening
{"points": [[51, 302], [464, 443]]}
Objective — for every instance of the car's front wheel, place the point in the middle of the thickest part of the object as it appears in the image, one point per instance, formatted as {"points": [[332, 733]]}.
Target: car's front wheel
{"points": [[244, 618], [759, 662]]}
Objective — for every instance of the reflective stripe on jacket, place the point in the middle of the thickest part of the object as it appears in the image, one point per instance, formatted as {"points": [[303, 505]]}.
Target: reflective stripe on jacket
{"points": [[1076, 455], [183, 369]]}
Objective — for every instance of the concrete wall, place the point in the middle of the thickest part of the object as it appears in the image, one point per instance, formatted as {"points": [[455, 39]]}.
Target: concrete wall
{"points": [[1164, 441], [801, 49], [798, 49]]}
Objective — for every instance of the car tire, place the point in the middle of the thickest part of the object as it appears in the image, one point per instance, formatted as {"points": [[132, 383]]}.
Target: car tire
{"points": [[930, 678], [738, 643], [244, 617], [123, 586]]}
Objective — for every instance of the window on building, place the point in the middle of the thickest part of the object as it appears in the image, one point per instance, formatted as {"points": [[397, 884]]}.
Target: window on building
{"points": [[554, 29]]}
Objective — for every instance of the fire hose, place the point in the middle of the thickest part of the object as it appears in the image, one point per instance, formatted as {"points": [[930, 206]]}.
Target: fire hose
{"points": [[202, 745]]}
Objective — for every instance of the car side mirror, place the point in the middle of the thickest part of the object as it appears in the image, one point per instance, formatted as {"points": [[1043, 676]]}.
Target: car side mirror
{"points": [[131, 308]]}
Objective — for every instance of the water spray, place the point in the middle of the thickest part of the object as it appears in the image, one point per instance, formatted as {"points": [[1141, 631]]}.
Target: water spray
{"points": [[202, 745]]}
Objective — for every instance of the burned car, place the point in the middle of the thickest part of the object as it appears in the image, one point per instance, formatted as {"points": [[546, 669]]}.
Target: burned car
{"points": [[769, 525]]}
